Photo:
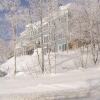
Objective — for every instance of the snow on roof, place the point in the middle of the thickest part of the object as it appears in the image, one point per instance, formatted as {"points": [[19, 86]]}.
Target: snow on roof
{"points": [[24, 33], [37, 24], [31, 25], [65, 7]]}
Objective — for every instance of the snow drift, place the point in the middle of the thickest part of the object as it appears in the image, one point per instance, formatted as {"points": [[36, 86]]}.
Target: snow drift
{"points": [[32, 63]]}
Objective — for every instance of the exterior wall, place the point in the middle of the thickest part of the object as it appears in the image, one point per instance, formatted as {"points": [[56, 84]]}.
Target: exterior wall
{"points": [[54, 34]]}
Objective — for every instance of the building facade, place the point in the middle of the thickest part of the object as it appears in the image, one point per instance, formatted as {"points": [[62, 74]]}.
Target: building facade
{"points": [[54, 30]]}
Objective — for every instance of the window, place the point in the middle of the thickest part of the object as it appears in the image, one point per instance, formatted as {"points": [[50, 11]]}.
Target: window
{"points": [[64, 47]]}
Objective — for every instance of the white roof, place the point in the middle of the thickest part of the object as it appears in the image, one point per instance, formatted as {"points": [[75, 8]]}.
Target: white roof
{"points": [[65, 7]]}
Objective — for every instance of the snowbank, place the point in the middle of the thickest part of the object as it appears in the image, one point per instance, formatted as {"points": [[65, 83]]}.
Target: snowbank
{"points": [[80, 84], [64, 62]]}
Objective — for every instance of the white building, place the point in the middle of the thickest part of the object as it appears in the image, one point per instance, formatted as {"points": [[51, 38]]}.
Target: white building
{"points": [[54, 30]]}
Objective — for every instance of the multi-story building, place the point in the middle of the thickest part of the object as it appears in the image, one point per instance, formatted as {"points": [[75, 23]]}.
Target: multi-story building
{"points": [[54, 29]]}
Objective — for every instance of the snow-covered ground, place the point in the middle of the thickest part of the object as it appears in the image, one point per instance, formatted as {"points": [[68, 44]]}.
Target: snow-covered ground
{"points": [[29, 63], [66, 84], [73, 84], [64, 62]]}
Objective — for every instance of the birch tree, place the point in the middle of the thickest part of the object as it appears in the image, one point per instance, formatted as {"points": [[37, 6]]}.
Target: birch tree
{"points": [[39, 5], [14, 16]]}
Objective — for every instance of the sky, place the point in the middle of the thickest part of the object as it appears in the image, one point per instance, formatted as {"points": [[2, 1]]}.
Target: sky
{"points": [[25, 2]]}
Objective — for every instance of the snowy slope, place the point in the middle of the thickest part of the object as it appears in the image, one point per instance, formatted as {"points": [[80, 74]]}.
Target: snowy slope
{"points": [[32, 63]]}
